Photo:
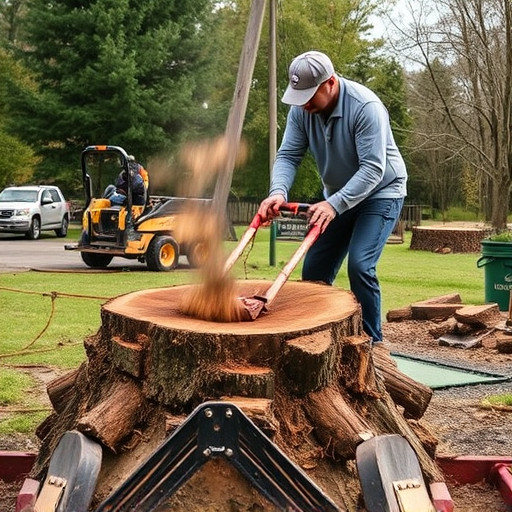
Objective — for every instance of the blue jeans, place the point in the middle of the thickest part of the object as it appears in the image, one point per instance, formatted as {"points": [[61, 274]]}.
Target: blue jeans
{"points": [[361, 234], [115, 197]]}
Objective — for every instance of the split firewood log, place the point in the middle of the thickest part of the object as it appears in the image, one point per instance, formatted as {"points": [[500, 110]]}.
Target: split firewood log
{"points": [[449, 298], [399, 315], [485, 315], [504, 343], [448, 326], [338, 425], [62, 390], [423, 311]]}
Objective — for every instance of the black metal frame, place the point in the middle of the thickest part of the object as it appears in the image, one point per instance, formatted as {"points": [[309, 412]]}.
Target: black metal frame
{"points": [[219, 429]]}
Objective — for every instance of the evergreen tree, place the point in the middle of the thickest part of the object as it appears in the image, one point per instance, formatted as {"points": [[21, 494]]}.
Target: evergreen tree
{"points": [[17, 160], [120, 72]]}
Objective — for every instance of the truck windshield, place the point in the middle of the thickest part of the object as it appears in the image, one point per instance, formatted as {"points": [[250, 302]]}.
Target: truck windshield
{"points": [[19, 196]]}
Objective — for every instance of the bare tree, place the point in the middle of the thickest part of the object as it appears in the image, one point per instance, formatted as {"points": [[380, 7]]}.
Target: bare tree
{"points": [[11, 14], [437, 168], [473, 41]]}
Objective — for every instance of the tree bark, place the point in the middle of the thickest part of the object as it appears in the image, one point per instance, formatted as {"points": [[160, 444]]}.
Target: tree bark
{"points": [[338, 425], [61, 390], [114, 418], [413, 396]]}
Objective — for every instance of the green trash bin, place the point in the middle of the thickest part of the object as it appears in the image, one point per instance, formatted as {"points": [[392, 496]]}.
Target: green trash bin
{"points": [[497, 262]]}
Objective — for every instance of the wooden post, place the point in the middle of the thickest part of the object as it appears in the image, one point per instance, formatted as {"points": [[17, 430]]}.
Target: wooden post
{"points": [[272, 113]]}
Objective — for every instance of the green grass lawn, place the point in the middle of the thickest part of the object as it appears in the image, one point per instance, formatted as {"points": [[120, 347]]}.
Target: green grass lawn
{"points": [[41, 327], [27, 304]]}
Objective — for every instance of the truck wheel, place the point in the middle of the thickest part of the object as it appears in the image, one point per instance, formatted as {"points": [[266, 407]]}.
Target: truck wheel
{"points": [[34, 231], [197, 254], [163, 254], [96, 260], [63, 230]]}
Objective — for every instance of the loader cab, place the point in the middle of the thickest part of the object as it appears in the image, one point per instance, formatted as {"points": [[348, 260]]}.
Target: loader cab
{"points": [[103, 221], [149, 232]]}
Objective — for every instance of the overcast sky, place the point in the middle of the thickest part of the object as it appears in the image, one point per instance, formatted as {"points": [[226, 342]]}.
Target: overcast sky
{"points": [[400, 13]]}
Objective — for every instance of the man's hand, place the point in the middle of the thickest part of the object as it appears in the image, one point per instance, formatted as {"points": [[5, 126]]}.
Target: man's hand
{"points": [[321, 214], [269, 207]]}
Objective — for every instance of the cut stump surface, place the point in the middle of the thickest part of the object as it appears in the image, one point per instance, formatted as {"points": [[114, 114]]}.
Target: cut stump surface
{"points": [[299, 306]]}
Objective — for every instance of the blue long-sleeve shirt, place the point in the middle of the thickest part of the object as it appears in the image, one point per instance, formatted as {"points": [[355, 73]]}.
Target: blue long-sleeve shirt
{"points": [[354, 150]]}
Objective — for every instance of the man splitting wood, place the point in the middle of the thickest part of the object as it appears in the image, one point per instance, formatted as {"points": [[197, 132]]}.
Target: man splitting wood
{"points": [[346, 128]]}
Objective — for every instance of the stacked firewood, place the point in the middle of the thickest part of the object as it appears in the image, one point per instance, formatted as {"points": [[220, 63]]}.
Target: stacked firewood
{"points": [[457, 324]]}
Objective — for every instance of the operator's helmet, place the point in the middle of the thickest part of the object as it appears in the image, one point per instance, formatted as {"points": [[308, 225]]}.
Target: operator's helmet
{"points": [[131, 158]]}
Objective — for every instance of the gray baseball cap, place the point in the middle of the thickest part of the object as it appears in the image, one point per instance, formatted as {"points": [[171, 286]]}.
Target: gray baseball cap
{"points": [[306, 73]]}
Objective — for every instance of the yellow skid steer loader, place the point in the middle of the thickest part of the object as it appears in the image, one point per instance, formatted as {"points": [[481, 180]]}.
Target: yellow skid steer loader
{"points": [[146, 232]]}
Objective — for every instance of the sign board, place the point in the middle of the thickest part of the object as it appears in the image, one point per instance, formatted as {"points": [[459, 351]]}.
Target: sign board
{"points": [[294, 228]]}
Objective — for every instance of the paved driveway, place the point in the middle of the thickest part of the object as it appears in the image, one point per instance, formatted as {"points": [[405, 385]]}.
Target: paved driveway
{"points": [[47, 253]]}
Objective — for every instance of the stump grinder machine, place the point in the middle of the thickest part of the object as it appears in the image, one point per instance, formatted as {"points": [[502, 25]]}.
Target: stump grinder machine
{"points": [[146, 232], [389, 472]]}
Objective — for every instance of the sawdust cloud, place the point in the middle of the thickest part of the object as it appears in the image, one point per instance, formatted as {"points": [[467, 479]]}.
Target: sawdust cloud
{"points": [[214, 298]]}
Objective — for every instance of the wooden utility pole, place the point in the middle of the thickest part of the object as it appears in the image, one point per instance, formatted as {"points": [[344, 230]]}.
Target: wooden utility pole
{"points": [[272, 113]]}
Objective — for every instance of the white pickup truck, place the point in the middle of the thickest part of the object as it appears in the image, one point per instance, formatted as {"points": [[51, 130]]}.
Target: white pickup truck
{"points": [[33, 208]]}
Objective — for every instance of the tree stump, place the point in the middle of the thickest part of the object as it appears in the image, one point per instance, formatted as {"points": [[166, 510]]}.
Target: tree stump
{"points": [[304, 372], [445, 239]]}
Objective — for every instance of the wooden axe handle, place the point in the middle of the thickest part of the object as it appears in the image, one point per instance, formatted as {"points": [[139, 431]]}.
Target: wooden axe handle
{"points": [[283, 276], [244, 241], [295, 208]]}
